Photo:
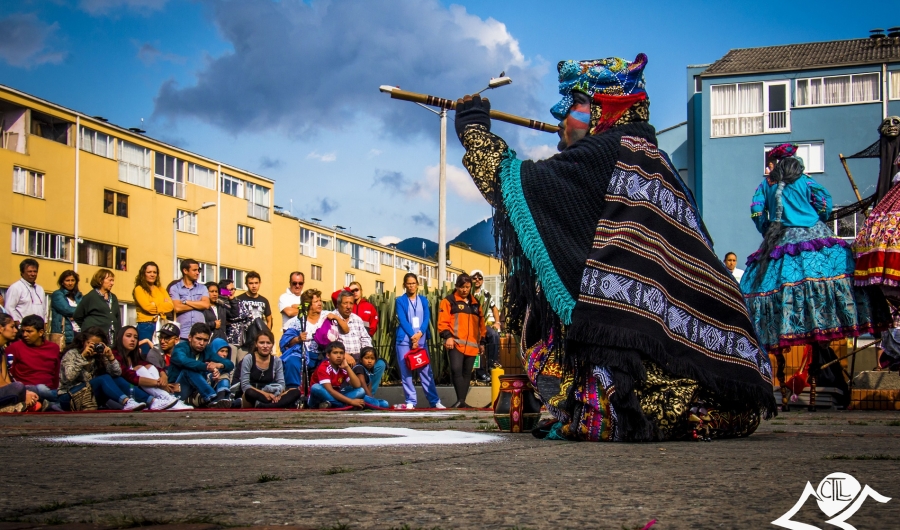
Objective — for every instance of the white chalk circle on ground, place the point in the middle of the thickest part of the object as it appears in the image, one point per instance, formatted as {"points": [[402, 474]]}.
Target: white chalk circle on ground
{"points": [[357, 436]]}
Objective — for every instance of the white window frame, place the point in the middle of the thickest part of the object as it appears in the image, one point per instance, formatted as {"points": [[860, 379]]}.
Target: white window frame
{"points": [[373, 260], [343, 246], [894, 81], [28, 182], [315, 273], [823, 78], [207, 272], [132, 172], [19, 240], [387, 259], [92, 138], [326, 239], [379, 287], [357, 256], [809, 168], [227, 184], [178, 186], [201, 176], [767, 116], [187, 221], [245, 235], [40, 244], [349, 278], [308, 239], [257, 201], [235, 275]]}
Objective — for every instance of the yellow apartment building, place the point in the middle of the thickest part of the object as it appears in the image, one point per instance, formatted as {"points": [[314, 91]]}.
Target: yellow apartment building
{"points": [[81, 193]]}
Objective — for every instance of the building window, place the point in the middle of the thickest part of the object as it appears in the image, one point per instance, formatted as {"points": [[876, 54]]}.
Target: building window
{"points": [[379, 287], [698, 84], [169, 176], [187, 221], [202, 176], [235, 275], [356, 256], [315, 273], [134, 164], [343, 246], [102, 255], [405, 264], [97, 142], [48, 127], [373, 260], [895, 84], [743, 109], [349, 278], [207, 273], [232, 186], [307, 242], [838, 90], [115, 203], [811, 153], [40, 244], [257, 201], [28, 182], [245, 235], [848, 226], [324, 241], [387, 259]]}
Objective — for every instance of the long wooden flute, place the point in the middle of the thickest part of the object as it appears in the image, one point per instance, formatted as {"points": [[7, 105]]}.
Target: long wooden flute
{"points": [[450, 104]]}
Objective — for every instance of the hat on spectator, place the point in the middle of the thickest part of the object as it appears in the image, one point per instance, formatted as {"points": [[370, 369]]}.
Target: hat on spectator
{"points": [[478, 272], [170, 329]]}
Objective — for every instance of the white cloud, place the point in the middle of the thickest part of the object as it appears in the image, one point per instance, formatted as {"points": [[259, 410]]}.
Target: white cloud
{"points": [[458, 180], [389, 240], [24, 41], [106, 7], [322, 157], [540, 152], [373, 153]]}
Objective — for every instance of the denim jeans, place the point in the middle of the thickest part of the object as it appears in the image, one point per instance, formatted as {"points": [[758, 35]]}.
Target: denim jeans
{"points": [[194, 382], [425, 376], [44, 392], [376, 374], [318, 394], [107, 387], [145, 331]]}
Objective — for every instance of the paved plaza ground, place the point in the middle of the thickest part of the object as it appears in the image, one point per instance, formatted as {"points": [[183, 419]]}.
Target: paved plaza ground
{"points": [[490, 480]]}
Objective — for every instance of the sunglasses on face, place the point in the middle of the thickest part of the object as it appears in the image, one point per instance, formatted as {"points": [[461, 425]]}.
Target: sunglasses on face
{"points": [[477, 278], [354, 290], [297, 284]]}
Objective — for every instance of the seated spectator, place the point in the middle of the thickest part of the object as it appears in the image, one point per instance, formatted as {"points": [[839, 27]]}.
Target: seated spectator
{"points": [[347, 328], [363, 370], [298, 337], [35, 360], [361, 307], [13, 395], [189, 367], [151, 390], [333, 384], [90, 361], [100, 307], [262, 377], [220, 351], [151, 302], [161, 356], [63, 301], [217, 314]]}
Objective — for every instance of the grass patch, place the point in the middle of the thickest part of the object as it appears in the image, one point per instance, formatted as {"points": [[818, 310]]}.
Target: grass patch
{"points": [[778, 430], [862, 457], [894, 423], [138, 521], [128, 424], [63, 444], [798, 423], [338, 470], [265, 477], [777, 423], [51, 507], [487, 427], [338, 526], [851, 422]]}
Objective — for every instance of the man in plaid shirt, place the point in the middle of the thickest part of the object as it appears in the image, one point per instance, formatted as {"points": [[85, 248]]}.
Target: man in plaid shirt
{"points": [[353, 332]]}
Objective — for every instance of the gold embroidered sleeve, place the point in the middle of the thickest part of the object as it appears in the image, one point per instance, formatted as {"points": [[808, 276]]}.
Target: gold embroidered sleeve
{"points": [[484, 153]]}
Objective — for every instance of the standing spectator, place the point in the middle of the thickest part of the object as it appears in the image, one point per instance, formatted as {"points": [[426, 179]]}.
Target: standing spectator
{"points": [[189, 368], [130, 359], [492, 325], [245, 309], [298, 337], [262, 377], [13, 395], [189, 298], [63, 301], [100, 307], [35, 360], [289, 302], [351, 330], [461, 327], [413, 315], [151, 301], [731, 264], [364, 309], [90, 361], [217, 314], [226, 300], [25, 297]]}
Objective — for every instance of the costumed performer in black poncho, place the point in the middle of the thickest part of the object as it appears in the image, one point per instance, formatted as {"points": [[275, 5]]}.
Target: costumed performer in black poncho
{"points": [[632, 328]]}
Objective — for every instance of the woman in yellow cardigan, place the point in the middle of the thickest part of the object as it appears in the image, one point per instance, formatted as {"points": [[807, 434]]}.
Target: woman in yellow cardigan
{"points": [[152, 303]]}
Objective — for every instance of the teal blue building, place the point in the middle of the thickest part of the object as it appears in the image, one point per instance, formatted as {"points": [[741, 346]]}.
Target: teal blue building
{"points": [[827, 97]]}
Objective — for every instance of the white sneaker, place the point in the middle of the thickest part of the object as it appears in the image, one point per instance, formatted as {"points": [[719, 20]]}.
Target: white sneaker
{"points": [[410, 406], [439, 405], [163, 403], [133, 405], [180, 405]]}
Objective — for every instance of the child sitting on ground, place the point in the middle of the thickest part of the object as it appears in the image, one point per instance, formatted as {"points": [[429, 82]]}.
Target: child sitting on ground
{"points": [[363, 370], [333, 384], [221, 380]]}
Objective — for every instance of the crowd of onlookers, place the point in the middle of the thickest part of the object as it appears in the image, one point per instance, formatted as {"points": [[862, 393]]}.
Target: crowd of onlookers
{"points": [[197, 345]]}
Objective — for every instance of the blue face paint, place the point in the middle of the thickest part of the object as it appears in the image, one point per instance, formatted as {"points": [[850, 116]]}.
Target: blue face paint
{"points": [[583, 117]]}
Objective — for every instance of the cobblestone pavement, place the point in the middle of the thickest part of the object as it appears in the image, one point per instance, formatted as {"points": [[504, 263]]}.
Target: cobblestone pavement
{"points": [[514, 481]]}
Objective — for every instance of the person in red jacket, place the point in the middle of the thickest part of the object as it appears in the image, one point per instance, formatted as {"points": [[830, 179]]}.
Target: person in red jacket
{"points": [[35, 359], [361, 307]]}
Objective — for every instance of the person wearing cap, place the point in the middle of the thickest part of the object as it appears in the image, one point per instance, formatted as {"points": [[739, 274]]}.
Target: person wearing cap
{"points": [[492, 324], [628, 317], [169, 335]]}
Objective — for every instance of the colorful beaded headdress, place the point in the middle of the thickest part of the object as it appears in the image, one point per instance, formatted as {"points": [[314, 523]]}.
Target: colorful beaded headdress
{"points": [[781, 151], [611, 76]]}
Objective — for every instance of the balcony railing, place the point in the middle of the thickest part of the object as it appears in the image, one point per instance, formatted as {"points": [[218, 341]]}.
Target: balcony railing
{"points": [[750, 124], [257, 211]]}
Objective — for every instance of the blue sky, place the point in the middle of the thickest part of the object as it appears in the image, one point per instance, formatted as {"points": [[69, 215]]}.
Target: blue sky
{"points": [[289, 89]]}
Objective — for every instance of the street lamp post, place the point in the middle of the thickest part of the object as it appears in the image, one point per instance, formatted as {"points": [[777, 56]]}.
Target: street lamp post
{"points": [[334, 244], [175, 271], [495, 82]]}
